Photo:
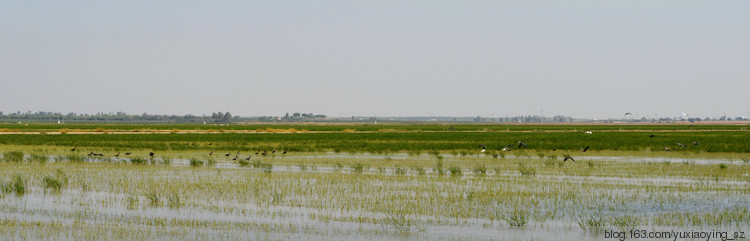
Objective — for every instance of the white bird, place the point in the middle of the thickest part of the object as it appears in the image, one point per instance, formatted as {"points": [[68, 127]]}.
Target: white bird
{"points": [[588, 132]]}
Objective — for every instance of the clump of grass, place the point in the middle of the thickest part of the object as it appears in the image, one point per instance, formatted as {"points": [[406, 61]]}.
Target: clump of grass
{"points": [[516, 218], [167, 161], [133, 202], [399, 170], [302, 167], [243, 162], [195, 162], [590, 222], [399, 222], [210, 162], [75, 158], [17, 185], [174, 200], [498, 170], [591, 163], [13, 156], [52, 182], [526, 171], [722, 166], [550, 162], [267, 167], [41, 158], [626, 222], [138, 160], [455, 171], [153, 198], [419, 170], [480, 169], [439, 167], [338, 166], [501, 154], [358, 168]]}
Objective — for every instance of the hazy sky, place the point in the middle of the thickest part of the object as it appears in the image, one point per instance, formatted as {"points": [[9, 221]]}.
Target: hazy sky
{"points": [[594, 59]]}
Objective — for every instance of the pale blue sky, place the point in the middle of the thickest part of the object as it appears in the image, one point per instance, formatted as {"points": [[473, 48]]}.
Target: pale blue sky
{"points": [[594, 59]]}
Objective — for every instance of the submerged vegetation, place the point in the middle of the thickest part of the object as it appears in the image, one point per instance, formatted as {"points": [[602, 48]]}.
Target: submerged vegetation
{"points": [[394, 184]]}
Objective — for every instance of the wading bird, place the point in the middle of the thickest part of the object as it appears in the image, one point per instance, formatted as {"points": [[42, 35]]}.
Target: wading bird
{"points": [[235, 158], [210, 143], [151, 154], [127, 153], [117, 155], [226, 154], [74, 149], [484, 148], [283, 153], [211, 153], [588, 132], [681, 145], [695, 143], [248, 157], [652, 136], [667, 148]]}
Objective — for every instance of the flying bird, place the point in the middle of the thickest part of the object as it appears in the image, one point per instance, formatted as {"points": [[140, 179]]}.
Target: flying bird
{"points": [[585, 149], [628, 113], [681, 145], [667, 148], [521, 144], [567, 157]]}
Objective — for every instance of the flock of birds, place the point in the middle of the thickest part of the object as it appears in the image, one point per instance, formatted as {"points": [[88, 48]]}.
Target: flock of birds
{"points": [[583, 149], [152, 154]]}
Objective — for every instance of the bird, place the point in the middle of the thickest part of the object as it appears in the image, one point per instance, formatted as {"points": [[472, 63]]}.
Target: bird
{"points": [[652, 136], [264, 153], [283, 153], [588, 132], [484, 148], [256, 153], [585, 149], [211, 153], [91, 153], [521, 144], [274, 151], [505, 149], [226, 154], [667, 149], [628, 113], [127, 153], [210, 143], [695, 143], [151, 154], [117, 155], [238, 152], [74, 149], [193, 144], [681, 145], [235, 158], [567, 157], [248, 157]]}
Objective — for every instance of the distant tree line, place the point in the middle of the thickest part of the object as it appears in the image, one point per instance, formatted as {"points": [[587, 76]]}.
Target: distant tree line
{"points": [[216, 117]]}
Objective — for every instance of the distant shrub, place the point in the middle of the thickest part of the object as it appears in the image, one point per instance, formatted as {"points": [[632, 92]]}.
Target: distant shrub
{"points": [[13, 156]]}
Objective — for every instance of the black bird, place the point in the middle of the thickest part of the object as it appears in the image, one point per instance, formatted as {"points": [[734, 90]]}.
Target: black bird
{"points": [[193, 144], [681, 145], [91, 153], [211, 153], [274, 151], [484, 148], [248, 157], [226, 154], [695, 143], [567, 157], [521, 144], [264, 153], [151, 154], [210, 143], [256, 153], [585, 149], [235, 158], [283, 153], [652, 136], [127, 153], [628, 113], [74, 149], [117, 155], [667, 148]]}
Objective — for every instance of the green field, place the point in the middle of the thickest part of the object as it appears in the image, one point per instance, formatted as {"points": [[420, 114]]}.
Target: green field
{"points": [[343, 182]]}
